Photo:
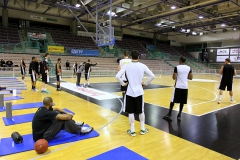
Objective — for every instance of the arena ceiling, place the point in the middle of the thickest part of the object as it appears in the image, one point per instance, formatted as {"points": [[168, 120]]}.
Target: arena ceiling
{"points": [[155, 16]]}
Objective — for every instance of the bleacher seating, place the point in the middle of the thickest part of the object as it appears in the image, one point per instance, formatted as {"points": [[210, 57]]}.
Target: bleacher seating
{"points": [[182, 52], [132, 44], [65, 38], [9, 35]]}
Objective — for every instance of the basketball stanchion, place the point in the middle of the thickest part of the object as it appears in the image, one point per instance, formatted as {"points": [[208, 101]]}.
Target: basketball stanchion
{"points": [[1, 100], [8, 109], [14, 91]]}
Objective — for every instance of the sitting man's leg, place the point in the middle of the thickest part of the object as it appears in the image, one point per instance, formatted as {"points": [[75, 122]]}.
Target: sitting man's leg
{"points": [[76, 128], [53, 130]]}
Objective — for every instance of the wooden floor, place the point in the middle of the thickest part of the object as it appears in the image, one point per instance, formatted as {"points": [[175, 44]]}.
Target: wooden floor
{"points": [[156, 145]]}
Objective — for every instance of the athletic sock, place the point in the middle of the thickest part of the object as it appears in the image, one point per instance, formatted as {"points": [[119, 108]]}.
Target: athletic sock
{"points": [[123, 94], [131, 120], [84, 84], [132, 127], [220, 97], [231, 98], [180, 110], [88, 83], [171, 108], [142, 121]]}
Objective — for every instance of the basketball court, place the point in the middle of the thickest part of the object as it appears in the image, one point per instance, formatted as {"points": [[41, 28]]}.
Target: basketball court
{"points": [[184, 137], [207, 131]]}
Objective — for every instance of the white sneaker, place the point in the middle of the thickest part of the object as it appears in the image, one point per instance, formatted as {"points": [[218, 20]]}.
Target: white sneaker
{"points": [[232, 101], [219, 101]]}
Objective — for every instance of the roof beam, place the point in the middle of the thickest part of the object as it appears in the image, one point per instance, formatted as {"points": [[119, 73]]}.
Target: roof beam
{"points": [[176, 11]]}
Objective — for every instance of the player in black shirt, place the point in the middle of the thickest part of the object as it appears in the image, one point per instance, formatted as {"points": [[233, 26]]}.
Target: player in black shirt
{"points": [[227, 71], [40, 69], [58, 73], [37, 67], [48, 122], [32, 72], [68, 65], [22, 68], [45, 73], [87, 72]]}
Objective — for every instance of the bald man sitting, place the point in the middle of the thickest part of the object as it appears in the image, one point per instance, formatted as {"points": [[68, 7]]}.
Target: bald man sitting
{"points": [[48, 122]]}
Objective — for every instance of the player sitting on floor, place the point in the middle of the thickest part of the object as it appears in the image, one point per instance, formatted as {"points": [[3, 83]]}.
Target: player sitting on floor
{"points": [[48, 122]]}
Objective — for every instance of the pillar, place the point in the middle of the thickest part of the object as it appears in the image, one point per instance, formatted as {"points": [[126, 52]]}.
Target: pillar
{"points": [[74, 27], [5, 17]]}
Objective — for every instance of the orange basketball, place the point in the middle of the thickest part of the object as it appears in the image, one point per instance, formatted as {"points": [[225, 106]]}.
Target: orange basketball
{"points": [[41, 146]]}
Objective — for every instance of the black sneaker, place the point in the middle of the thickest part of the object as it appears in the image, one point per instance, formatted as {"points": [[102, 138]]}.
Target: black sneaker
{"points": [[167, 117], [59, 89], [179, 118]]}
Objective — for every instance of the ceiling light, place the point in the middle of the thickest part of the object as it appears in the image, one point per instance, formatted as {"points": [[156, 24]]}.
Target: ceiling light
{"points": [[183, 30], [77, 5], [201, 33], [79, 26], [194, 33], [200, 17], [158, 24], [113, 13], [223, 24], [234, 29], [188, 30], [173, 7]]}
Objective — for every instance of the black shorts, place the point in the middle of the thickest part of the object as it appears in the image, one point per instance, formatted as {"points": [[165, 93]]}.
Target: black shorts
{"points": [[224, 85], [133, 104], [87, 76], [58, 77], [179, 96], [33, 77], [23, 71], [44, 78], [124, 88]]}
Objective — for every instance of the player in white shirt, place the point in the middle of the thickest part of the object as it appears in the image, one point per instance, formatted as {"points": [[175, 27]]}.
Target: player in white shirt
{"points": [[133, 100], [181, 75], [123, 62]]}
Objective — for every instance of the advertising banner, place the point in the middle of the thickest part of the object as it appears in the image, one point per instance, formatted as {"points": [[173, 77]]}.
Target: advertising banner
{"points": [[36, 36], [221, 58], [234, 51], [56, 49], [81, 52], [235, 58], [222, 52]]}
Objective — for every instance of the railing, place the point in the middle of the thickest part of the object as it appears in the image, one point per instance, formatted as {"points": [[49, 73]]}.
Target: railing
{"points": [[101, 72]]}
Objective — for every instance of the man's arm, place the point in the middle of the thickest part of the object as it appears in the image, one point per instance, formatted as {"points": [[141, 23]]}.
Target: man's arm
{"points": [[190, 75], [150, 78], [64, 116], [119, 67], [119, 75], [221, 70], [60, 110], [58, 69], [235, 72], [174, 76], [93, 64]]}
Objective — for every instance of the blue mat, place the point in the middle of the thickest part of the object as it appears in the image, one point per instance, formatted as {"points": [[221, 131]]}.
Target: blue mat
{"points": [[12, 98], [8, 92], [7, 146], [120, 153], [23, 118], [23, 106]]}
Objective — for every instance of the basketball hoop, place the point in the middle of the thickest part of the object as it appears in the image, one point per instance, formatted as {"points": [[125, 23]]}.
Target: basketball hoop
{"points": [[111, 46]]}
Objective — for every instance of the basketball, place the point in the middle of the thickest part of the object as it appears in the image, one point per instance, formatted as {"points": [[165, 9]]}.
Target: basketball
{"points": [[41, 146]]}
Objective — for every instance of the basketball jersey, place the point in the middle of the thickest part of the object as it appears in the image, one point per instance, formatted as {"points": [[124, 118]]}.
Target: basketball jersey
{"points": [[122, 63], [57, 69], [182, 76], [228, 72], [23, 63], [135, 73]]}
